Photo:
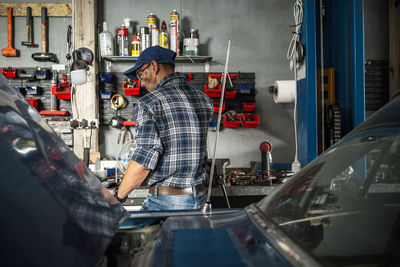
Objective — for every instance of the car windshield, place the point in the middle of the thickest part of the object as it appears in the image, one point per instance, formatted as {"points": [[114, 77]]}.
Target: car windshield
{"points": [[344, 206]]}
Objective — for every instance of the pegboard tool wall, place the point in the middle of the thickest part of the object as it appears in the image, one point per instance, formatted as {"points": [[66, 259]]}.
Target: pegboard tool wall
{"points": [[199, 79], [45, 85]]}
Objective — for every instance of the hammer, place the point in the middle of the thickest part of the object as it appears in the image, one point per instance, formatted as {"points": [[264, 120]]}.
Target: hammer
{"points": [[44, 56], [9, 51], [29, 29]]}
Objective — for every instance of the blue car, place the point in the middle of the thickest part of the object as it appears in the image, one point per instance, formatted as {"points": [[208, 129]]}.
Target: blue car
{"points": [[341, 209]]}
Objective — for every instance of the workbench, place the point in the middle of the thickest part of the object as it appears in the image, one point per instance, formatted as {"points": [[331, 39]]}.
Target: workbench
{"points": [[242, 194]]}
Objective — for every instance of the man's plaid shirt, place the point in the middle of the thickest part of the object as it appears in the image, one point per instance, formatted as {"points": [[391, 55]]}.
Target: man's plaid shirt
{"points": [[171, 133]]}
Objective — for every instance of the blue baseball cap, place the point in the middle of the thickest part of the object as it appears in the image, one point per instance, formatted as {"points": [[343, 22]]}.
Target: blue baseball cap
{"points": [[157, 53]]}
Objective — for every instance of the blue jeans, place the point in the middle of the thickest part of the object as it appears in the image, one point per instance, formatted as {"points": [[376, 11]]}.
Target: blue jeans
{"points": [[176, 202]]}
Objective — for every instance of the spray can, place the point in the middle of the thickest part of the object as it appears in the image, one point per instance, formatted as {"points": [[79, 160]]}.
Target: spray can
{"points": [[123, 41], [144, 38], [135, 46], [163, 42], [106, 42], [154, 37], [174, 26], [152, 24]]}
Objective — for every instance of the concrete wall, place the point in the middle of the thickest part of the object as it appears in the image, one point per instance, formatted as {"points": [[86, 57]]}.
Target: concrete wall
{"points": [[260, 34]]}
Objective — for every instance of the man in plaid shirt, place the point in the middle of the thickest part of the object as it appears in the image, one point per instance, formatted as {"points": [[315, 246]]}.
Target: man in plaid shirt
{"points": [[170, 147]]}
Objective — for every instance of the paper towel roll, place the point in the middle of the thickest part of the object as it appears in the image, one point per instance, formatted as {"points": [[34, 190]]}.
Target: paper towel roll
{"points": [[284, 91]]}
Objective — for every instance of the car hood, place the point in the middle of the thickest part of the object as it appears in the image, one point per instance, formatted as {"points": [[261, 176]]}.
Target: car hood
{"points": [[191, 238], [50, 202]]}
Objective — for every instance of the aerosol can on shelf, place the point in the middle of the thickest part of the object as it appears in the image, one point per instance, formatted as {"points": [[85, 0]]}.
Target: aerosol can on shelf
{"points": [[175, 28], [163, 40], [135, 46], [144, 38], [152, 25], [123, 41], [106, 41]]}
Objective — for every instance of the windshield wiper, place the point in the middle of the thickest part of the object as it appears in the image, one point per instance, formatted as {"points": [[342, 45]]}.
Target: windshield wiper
{"points": [[321, 217]]}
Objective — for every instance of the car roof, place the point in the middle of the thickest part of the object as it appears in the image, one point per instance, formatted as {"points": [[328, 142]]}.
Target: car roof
{"points": [[387, 116]]}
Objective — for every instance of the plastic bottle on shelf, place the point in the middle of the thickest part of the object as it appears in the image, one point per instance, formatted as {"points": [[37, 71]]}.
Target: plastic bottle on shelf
{"points": [[106, 41], [135, 46], [163, 40], [127, 23]]}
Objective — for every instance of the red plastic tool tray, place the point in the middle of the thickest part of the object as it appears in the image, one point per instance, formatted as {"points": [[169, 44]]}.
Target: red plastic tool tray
{"points": [[212, 92], [232, 124], [251, 121], [34, 102], [230, 93], [131, 90], [219, 75], [9, 72], [249, 106], [216, 107], [62, 90]]}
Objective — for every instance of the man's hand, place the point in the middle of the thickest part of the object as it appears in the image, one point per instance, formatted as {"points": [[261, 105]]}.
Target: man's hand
{"points": [[134, 176]]}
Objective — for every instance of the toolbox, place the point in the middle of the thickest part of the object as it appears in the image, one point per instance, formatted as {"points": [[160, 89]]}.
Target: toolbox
{"points": [[216, 107], [250, 120], [212, 92], [246, 106], [131, 87], [232, 123], [230, 94], [34, 102]]}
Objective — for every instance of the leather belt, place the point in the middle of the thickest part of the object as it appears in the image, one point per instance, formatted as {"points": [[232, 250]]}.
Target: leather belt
{"points": [[173, 191]]}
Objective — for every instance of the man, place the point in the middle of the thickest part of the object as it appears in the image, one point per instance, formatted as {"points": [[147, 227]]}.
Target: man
{"points": [[170, 147]]}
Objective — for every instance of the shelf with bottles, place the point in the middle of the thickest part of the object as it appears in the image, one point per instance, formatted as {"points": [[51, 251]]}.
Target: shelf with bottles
{"points": [[178, 59]]}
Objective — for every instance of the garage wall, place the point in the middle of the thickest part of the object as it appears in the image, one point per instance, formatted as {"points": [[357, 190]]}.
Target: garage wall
{"points": [[376, 29], [259, 44]]}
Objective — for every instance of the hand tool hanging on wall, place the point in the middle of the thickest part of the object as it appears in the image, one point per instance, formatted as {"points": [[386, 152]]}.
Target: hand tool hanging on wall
{"points": [[44, 55], [29, 29], [9, 51]]}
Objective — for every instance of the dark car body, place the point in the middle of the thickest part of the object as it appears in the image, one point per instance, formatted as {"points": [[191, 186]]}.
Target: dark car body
{"points": [[53, 209], [341, 209]]}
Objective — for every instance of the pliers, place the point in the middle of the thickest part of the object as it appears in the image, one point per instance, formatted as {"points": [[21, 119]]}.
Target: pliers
{"points": [[126, 135]]}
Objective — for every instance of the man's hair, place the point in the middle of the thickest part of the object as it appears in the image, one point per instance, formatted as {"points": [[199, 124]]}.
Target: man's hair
{"points": [[167, 67]]}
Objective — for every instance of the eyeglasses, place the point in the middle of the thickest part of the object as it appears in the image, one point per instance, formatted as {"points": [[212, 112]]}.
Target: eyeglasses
{"points": [[140, 71]]}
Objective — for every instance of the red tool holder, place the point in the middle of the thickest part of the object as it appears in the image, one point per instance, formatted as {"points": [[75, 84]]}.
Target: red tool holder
{"points": [[230, 94], [128, 90], [128, 123], [212, 92], [232, 124], [219, 76], [216, 107], [34, 102], [249, 106], [9, 72], [62, 90], [250, 120]]}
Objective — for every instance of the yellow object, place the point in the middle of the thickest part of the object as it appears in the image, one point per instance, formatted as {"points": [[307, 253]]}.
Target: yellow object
{"points": [[117, 101]]}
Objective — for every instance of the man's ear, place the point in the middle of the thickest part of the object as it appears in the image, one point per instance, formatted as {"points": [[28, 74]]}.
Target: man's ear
{"points": [[156, 67]]}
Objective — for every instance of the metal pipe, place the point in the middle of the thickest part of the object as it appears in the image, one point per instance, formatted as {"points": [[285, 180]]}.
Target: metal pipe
{"points": [[321, 30], [207, 206]]}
